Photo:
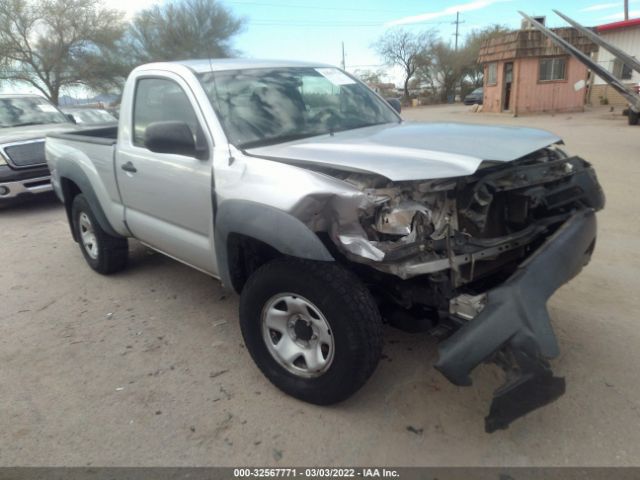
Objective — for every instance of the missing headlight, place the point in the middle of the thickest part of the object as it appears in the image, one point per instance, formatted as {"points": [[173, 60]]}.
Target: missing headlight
{"points": [[399, 220]]}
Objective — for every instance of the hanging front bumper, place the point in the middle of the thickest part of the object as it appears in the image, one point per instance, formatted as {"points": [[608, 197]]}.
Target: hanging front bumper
{"points": [[514, 328]]}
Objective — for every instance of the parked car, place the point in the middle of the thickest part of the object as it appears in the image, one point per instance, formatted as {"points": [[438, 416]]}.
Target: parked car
{"points": [[24, 122], [395, 103], [306, 193], [474, 97], [89, 116]]}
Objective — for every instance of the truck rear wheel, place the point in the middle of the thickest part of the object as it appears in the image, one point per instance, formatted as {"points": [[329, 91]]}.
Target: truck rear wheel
{"points": [[104, 253], [312, 328], [633, 117]]}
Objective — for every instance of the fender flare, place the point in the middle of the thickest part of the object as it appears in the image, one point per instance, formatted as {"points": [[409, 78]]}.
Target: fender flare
{"points": [[276, 228], [75, 174]]}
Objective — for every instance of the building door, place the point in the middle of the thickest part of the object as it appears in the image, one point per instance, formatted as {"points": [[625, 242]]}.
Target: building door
{"points": [[508, 81]]}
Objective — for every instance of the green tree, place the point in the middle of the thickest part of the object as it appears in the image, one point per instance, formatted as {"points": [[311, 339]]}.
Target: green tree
{"points": [[471, 50], [446, 69], [56, 44], [183, 30], [407, 50]]}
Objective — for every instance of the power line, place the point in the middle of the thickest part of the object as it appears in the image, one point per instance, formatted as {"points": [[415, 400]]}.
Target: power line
{"points": [[329, 23], [312, 7]]}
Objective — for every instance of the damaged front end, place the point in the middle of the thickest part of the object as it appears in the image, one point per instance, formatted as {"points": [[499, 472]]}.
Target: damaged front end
{"points": [[474, 260]]}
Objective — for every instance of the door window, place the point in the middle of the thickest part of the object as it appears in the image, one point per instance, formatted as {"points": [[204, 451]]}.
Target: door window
{"points": [[161, 100], [508, 72]]}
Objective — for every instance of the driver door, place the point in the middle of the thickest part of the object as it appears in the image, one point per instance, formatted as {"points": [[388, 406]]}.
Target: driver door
{"points": [[167, 196]]}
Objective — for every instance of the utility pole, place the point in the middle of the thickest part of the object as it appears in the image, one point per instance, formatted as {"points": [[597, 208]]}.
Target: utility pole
{"points": [[626, 9], [457, 34], [457, 24], [344, 66]]}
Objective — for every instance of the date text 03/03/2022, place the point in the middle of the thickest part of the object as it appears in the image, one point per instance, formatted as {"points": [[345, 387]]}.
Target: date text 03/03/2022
{"points": [[315, 472]]}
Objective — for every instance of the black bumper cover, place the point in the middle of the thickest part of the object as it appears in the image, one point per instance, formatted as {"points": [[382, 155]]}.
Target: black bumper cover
{"points": [[514, 328]]}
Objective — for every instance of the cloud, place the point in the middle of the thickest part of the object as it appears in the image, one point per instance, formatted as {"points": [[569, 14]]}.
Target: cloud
{"points": [[620, 15], [465, 7], [605, 6], [600, 6], [130, 7]]}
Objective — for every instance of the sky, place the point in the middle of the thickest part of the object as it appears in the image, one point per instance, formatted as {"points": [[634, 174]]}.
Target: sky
{"points": [[314, 30]]}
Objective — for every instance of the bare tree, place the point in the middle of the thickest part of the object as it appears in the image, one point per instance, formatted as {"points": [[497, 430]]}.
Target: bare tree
{"points": [[53, 44], [407, 50], [189, 29], [370, 76]]}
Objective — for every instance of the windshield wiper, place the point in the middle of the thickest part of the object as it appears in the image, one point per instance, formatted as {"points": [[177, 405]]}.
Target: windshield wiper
{"points": [[25, 124]]}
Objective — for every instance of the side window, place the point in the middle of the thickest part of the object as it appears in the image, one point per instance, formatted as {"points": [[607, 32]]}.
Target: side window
{"points": [[552, 69], [161, 100], [622, 70], [492, 73]]}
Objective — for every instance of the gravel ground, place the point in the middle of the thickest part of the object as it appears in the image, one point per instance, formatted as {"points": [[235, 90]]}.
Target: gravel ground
{"points": [[147, 367]]}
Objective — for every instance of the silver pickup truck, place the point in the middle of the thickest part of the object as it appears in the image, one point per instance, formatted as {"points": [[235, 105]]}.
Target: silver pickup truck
{"points": [[306, 193]]}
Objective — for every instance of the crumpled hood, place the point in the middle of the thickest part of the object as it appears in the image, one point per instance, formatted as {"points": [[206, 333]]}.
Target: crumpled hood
{"points": [[412, 151], [33, 132]]}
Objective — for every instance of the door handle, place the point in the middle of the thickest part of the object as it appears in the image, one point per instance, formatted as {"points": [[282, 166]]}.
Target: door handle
{"points": [[128, 167]]}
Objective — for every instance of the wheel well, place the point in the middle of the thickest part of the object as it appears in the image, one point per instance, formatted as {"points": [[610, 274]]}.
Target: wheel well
{"points": [[69, 192], [245, 256]]}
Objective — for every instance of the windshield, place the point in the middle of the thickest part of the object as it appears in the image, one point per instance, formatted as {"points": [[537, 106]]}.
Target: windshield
{"points": [[268, 106], [20, 111]]}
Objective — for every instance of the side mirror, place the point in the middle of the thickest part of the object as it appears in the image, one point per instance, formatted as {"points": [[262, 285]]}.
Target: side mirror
{"points": [[171, 137], [395, 103]]}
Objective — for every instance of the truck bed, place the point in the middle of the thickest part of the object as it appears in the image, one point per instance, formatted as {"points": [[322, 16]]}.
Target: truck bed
{"points": [[100, 135], [87, 157]]}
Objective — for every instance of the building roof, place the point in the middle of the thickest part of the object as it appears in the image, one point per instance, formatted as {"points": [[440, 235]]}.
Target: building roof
{"points": [[634, 22], [531, 43]]}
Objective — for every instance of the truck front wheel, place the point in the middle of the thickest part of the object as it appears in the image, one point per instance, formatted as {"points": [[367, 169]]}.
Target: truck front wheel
{"points": [[104, 253], [312, 328]]}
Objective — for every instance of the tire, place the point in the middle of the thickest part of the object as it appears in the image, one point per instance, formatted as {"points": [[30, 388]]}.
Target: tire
{"points": [[104, 253], [337, 298], [633, 117]]}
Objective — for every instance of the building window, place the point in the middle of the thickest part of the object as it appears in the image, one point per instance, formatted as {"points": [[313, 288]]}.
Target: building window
{"points": [[553, 69], [621, 70], [492, 73]]}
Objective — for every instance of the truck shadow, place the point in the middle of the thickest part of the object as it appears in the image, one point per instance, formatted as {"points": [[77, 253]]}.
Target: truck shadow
{"points": [[39, 203]]}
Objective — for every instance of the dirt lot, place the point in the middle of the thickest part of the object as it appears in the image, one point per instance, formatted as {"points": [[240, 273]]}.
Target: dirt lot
{"points": [[147, 367]]}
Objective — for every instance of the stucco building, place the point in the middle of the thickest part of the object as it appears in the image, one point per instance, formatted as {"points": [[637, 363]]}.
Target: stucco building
{"points": [[626, 36], [524, 72]]}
